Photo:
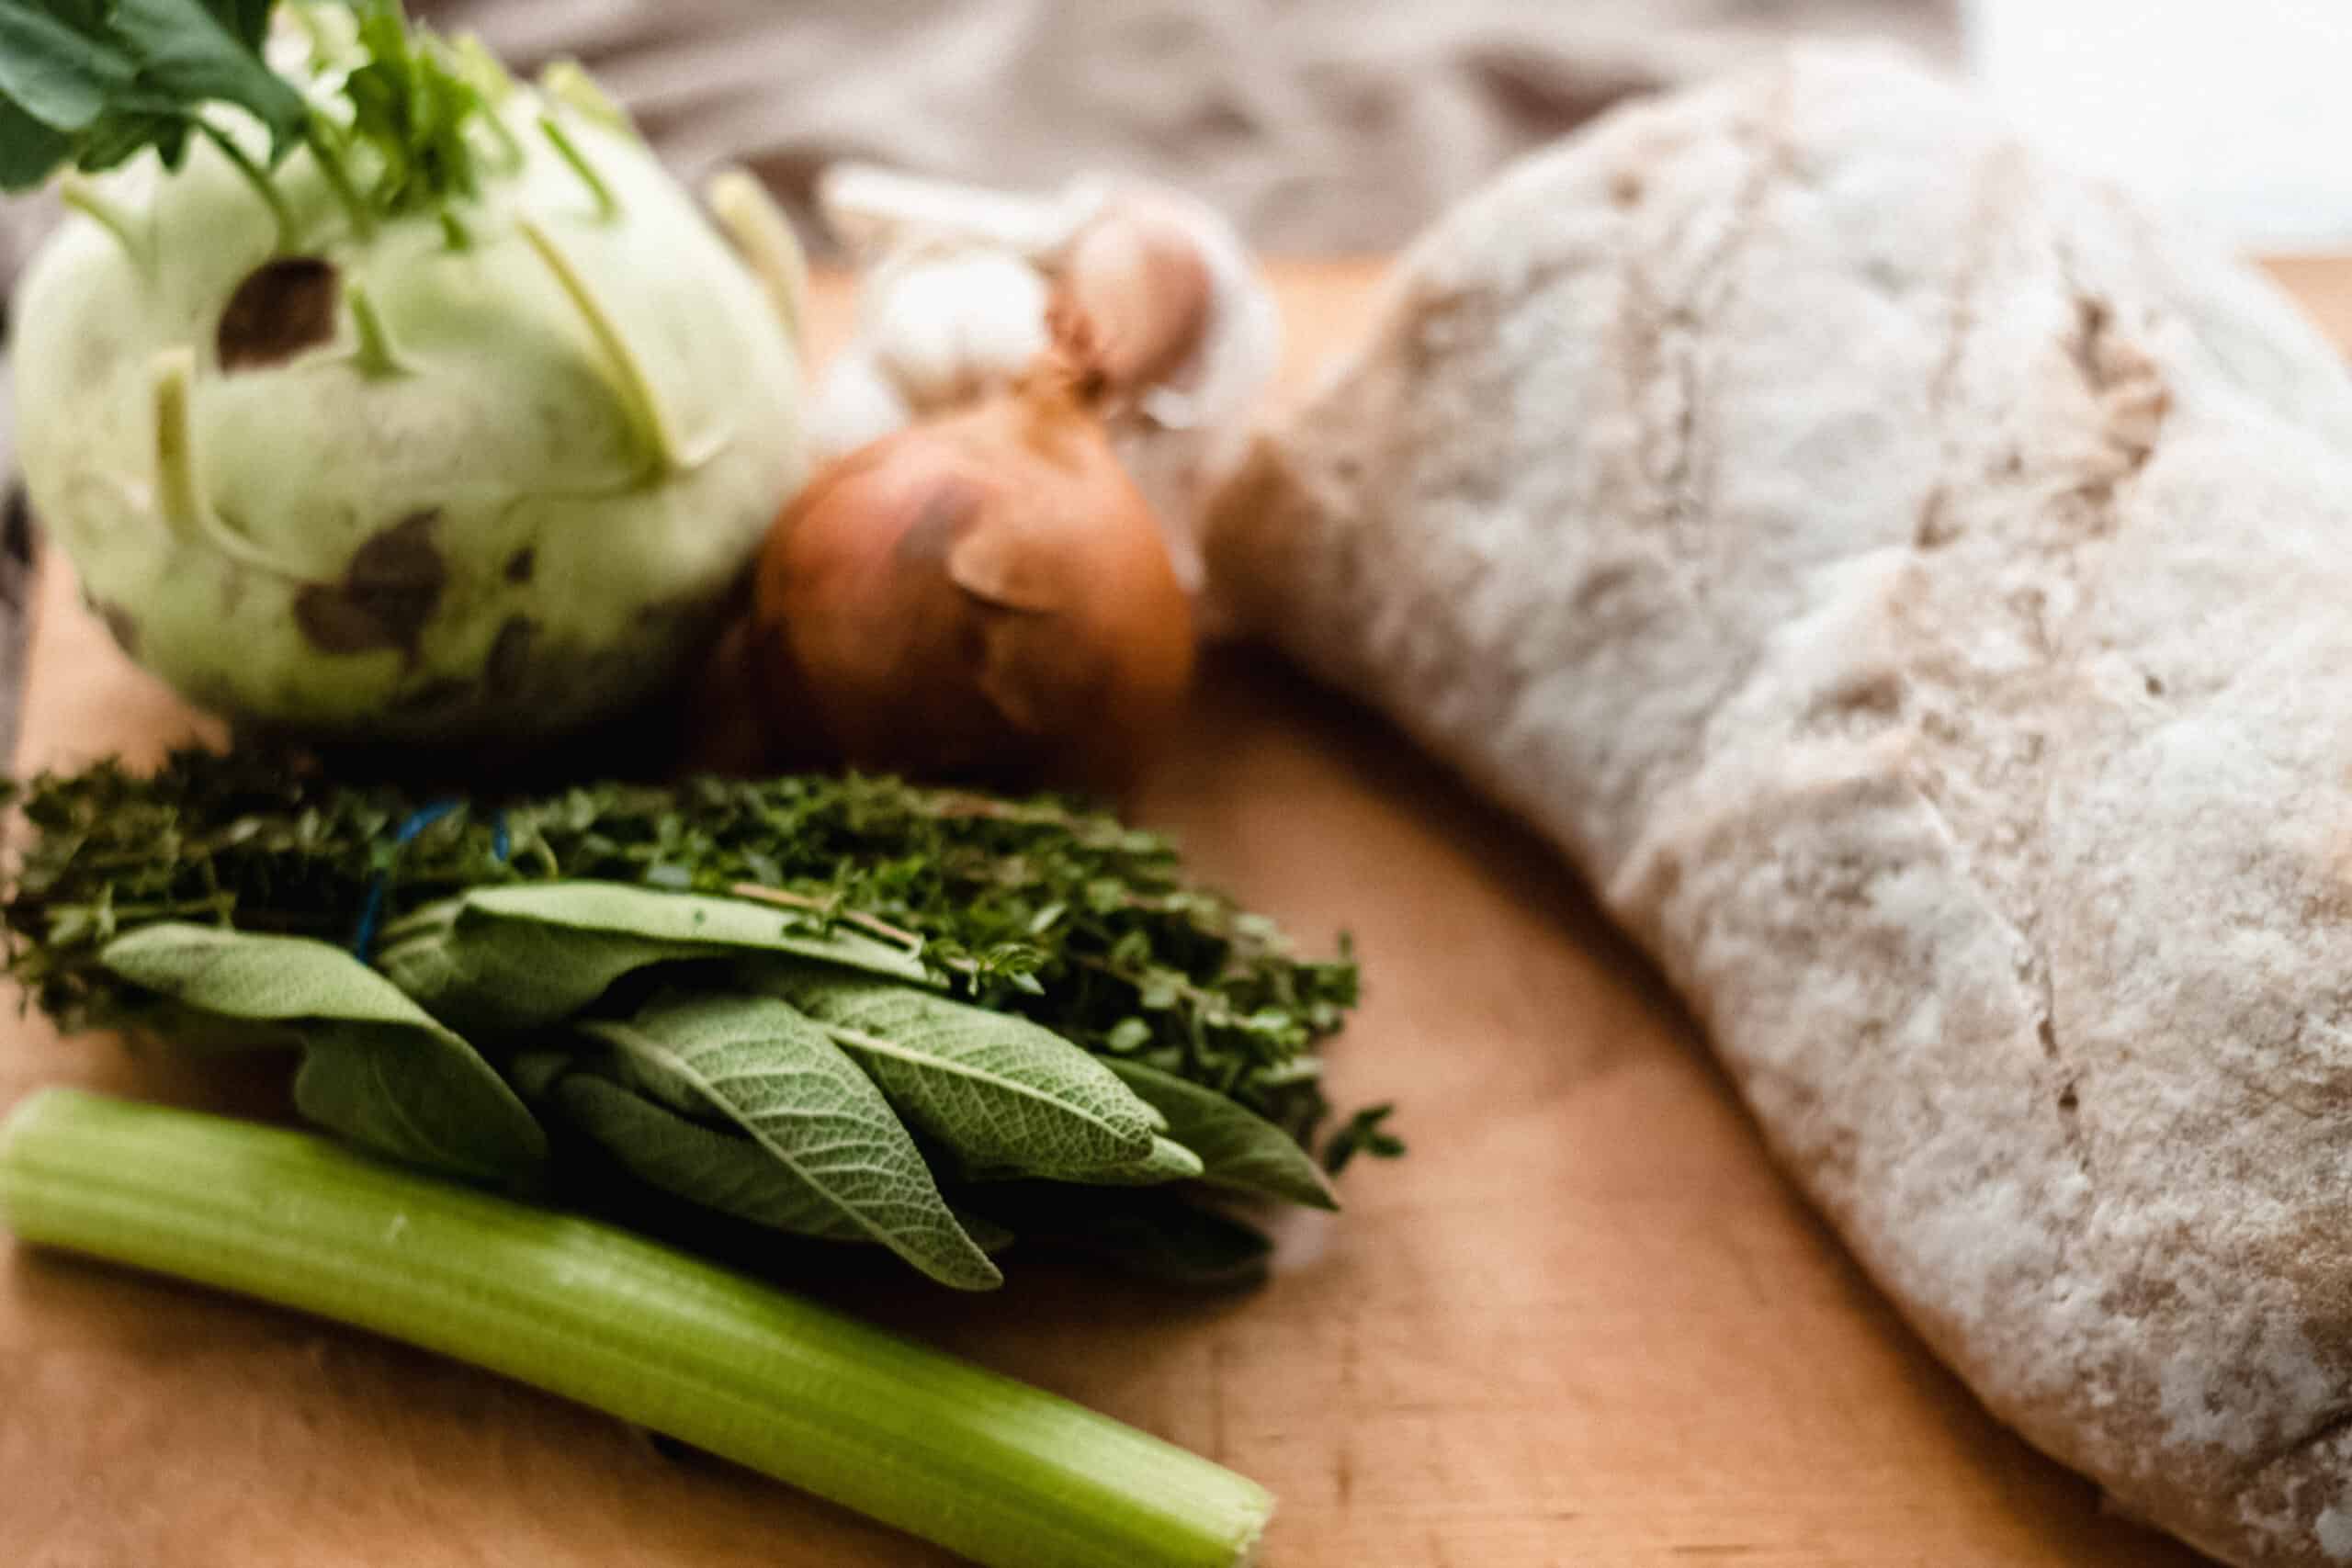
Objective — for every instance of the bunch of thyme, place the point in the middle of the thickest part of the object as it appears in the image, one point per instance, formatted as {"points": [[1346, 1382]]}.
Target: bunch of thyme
{"points": [[1038, 905]]}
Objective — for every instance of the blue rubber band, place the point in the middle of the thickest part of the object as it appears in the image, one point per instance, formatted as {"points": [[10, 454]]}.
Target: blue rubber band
{"points": [[371, 913], [424, 817], [501, 846]]}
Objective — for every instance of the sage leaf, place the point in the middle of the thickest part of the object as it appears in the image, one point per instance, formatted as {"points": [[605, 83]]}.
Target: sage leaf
{"points": [[1239, 1150], [1168, 1161], [376, 1066], [504, 960], [1002, 1093], [1163, 1238], [686, 1159], [711, 1168], [1159, 1236], [842, 1154]]}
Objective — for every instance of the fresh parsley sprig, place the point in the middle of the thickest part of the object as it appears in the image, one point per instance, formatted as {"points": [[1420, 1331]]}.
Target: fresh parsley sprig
{"points": [[91, 84], [401, 121]]}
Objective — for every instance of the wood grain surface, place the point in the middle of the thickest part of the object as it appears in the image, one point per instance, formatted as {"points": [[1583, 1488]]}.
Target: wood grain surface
{"points": [[1585, 1322]]}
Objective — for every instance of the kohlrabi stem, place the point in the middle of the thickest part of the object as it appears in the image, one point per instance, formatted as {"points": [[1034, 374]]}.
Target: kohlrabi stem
{"points": [[373, 353], [765, 239], [640, 405], [608, 205], [314, 34], [257, 177], [76, 192], [178, 501], [510, 146], [179, 487], [569, 84], [1006, 1474], [480, 66], [327, 149]]}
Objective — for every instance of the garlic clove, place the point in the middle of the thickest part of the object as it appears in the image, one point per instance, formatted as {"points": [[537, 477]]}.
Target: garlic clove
{"points": [[947, 327], [1131, 298], [1183, 434]]}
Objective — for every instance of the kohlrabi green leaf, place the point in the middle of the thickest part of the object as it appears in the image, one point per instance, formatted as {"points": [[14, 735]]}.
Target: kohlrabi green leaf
{"points": [[192, 53], [56, 76], [376, 1067], [29, 150], [835, 1143], [413, 102], [505, 959], [1237, 1148], [94, 84], [1002, 1093]]}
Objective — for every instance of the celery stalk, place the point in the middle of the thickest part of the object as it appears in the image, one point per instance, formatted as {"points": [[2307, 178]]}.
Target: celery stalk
{"points": [[1004, 1473]]}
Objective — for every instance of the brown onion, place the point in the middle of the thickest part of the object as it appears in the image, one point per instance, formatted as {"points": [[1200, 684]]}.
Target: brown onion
{"points": [[985, 594]]}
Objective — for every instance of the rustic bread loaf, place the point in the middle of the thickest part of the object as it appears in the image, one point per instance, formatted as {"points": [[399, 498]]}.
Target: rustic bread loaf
{"points": [[1916, 588]]}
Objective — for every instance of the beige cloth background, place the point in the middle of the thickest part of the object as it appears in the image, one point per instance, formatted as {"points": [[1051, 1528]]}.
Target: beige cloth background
{"points": [[1315, 125]]}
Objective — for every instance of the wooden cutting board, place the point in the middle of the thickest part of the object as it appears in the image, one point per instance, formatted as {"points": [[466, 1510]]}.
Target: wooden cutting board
{"points": [[1585, 1322]]}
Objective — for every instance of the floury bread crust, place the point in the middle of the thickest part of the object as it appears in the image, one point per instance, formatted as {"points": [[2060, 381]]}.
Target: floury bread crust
{"points": [[1916, 588]]}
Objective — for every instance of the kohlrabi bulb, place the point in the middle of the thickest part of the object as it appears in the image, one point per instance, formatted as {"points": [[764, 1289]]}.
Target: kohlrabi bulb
{"points": [[479, 467]]}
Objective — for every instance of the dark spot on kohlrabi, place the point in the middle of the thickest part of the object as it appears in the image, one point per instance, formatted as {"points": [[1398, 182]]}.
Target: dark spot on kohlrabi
{"points": [[122, 626], [521, 564], [510, 656], [282, 308], [388, 592]]}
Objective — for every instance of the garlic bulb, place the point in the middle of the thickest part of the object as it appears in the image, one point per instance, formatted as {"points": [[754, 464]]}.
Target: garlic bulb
{"points": [[962, 287]]}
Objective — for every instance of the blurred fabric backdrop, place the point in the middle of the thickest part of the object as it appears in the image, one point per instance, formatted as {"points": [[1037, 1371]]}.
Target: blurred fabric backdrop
{"points": [[1318, 126]]}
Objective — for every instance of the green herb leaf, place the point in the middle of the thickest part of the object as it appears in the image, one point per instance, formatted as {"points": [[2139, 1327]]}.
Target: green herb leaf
{"points": [[1002, 1093], [191, 54], [1168, 1161], [29, 150], [95, 85], [709, 1168], [53, 74], [377, 1068], [1363, 1134], [412, 101], [844, 1159], [1039, 906], [1159, 1236], [1236, 1148], [247, 20], [506, 959]]}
